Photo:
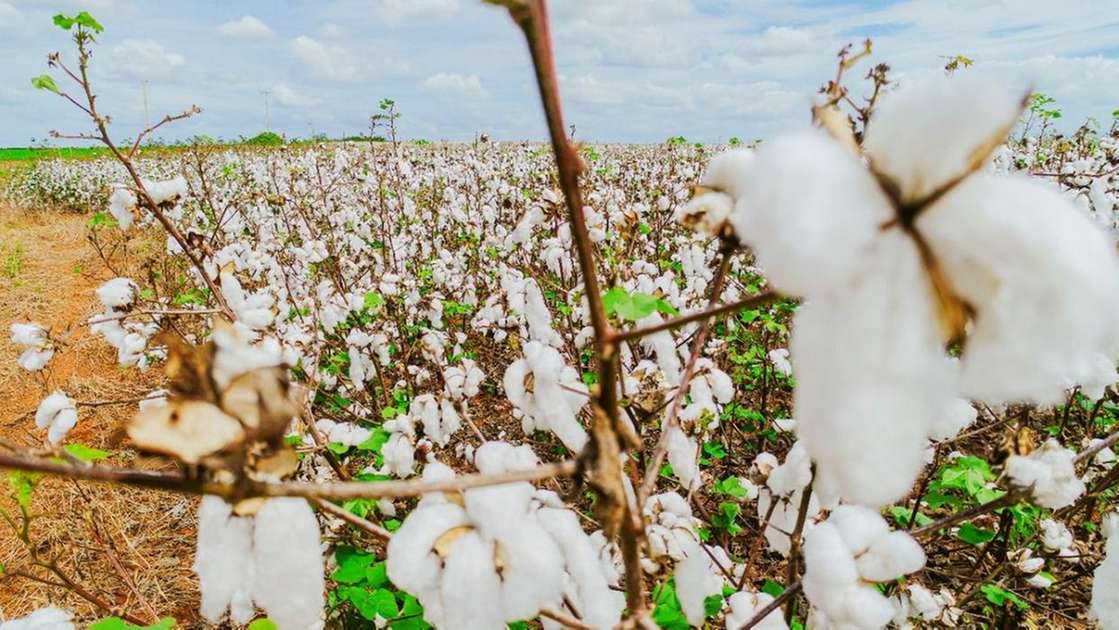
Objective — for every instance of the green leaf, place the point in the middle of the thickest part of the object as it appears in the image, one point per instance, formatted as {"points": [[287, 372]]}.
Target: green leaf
{"points": [[45, 82], [85, 453], [116, 623], [63, 22], [264, 623], [973, 535], [998, 596], [352, 567], [23, 486], [731, 486], [373, 301], [86, 20]]}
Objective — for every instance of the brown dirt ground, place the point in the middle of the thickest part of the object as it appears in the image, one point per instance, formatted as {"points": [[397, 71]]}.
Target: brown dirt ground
{"points": [[130, 549]]}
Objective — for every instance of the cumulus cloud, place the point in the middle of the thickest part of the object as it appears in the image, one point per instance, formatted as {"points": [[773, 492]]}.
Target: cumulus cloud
{"points": [[248, 27], [457, 84], [327, 62], [293, 97], [782, 40], [145, 59]]}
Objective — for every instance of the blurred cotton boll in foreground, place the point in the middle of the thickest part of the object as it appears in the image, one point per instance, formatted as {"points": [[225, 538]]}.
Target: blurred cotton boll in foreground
{"points": [[894, 254]]}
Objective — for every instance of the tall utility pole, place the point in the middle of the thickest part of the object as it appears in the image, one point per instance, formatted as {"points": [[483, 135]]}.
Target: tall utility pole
{"points": [[144, 89], [267, 114]]}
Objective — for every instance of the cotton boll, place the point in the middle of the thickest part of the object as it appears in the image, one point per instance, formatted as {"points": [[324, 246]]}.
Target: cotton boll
{"points": [[411, 561], [957, 416], [830, 569], [34, 360], [1105, 587], [49, 618], [706, 213], [287, 563], [121, 204], [57, 414], [224, 561], [890, 556], [30, 335], [792, 475], [696, 580], [784, 516], [532, 569], [1050, 472], [810, 239], [167, 191], [871, 379], [118, 294], [599, 604], [745, 604], [1043, 280], [780, 360], [859, 526], [471, 588], [1055, 536], [922, 146], [683, 454]]}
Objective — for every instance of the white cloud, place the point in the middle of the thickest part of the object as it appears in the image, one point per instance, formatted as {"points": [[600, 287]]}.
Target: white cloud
{"points": [[292, 97], [327, 62], [458, 84], [145, 59], [782, 40], [248, 27], [397, 10]]}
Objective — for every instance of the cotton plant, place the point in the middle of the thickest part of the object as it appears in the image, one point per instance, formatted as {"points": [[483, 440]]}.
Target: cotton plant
{"points": [[130, 338], [270, 559], [57, 414], [486, 557], [38, 349], [894, 254], [844, 557], [547, 394]]}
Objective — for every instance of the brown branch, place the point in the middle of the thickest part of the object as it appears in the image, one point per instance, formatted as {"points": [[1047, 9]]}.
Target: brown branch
{"points": [[246, 488], [353, 519], [620, 517], [565, 619]]}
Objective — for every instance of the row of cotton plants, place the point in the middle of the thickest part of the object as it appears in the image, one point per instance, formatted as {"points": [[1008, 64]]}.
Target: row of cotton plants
{"points": [[415, 312]]}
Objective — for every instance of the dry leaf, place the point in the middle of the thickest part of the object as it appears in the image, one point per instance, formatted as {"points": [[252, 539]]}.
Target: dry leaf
{"points": [[262, 401]]}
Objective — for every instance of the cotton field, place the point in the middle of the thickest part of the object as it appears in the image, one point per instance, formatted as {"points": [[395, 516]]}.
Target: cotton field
{"points": [[858, 375]]}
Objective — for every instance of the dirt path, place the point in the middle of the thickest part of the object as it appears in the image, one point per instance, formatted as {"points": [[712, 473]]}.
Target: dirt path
{"points": [[130, 550]]}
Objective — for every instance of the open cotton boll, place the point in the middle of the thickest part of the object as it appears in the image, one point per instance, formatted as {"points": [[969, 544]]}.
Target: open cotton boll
{"points": [[1050, 472], [663, 345], [471, 587], [166, 191], [412, 562], [683, 456], [809, 239], [1055, 536], [783, 517], [538, 317], [1043, 280], [779, 358], [224, 561], [706, 213], [599, 605], [287, 563], [34, 360], [121, 204], [29, 335], [696, 579], [871, 379], [118, 294], [1105, 586], [859, 526], [793, 474], [57, 414], [957, 416], [745, 604], [727, 171], [49, 618], [890, 556], [922, 147], [556, 396], [833, 587]]}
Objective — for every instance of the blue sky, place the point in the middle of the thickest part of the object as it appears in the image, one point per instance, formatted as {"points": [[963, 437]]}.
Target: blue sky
{"points": [[631, 70]]}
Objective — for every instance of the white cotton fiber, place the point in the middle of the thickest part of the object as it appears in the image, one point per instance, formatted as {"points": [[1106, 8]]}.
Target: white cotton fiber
{"points": [[871, 379], [745, 604], [287, 563], [924, 133], [809, 239], [1044, 282], [1105, 587], [1050, 471], [224, 561], [57, 414], [696, 580], [118, 294], [49, 618]]}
